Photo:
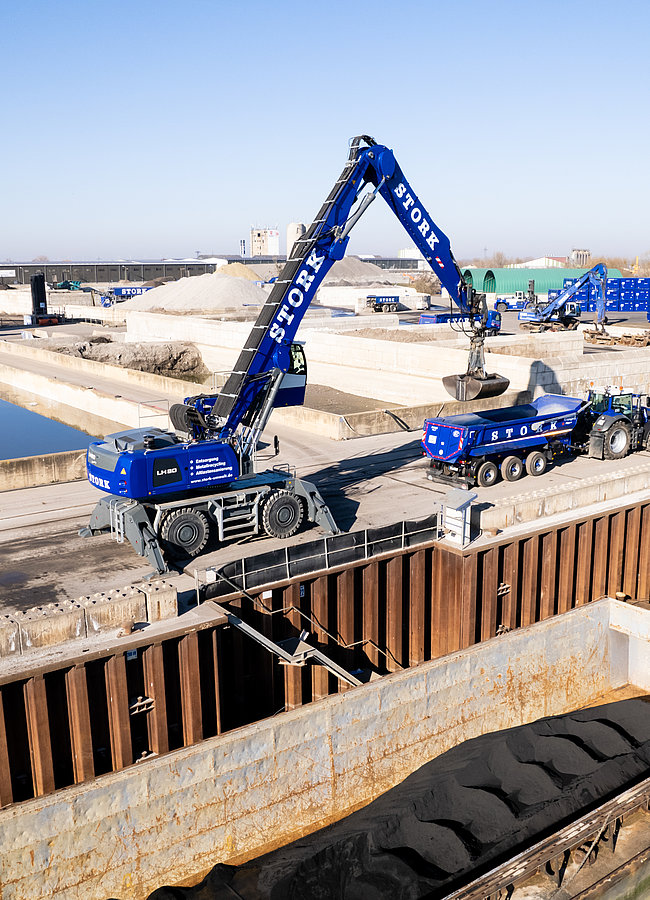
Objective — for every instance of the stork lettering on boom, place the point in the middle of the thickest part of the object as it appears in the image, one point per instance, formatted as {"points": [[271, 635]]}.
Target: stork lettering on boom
{"points": [[295, 297], [416, 214]]}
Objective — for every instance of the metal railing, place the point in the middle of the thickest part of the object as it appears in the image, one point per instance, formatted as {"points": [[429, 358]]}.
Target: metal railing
{"points": [[146, 410], [315, 556]]}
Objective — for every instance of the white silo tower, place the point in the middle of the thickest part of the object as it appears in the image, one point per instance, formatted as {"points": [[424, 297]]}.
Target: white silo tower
{"points": [[295, 230]]}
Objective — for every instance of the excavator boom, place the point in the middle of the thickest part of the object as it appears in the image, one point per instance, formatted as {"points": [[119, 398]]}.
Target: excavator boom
{"points": [[371, 170]]}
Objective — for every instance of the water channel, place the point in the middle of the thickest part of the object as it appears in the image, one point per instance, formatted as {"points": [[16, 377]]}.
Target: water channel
{"points": [[32, 426]]}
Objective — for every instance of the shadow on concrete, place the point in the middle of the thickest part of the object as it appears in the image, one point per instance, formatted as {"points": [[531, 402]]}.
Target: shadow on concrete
{"points": [[333, 480]]}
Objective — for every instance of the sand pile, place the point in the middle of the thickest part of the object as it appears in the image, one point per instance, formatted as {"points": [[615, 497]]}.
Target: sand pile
{"points": [[201, 293], [239, 270], [480, 802], [351, 271]]}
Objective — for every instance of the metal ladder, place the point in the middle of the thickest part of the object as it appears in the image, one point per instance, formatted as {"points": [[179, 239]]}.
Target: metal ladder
{"points": [[116, 509], [292, 651]]}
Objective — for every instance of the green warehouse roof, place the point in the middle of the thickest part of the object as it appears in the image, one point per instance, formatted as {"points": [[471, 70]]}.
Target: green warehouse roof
{"points": [[474, 277], [507, 281]]}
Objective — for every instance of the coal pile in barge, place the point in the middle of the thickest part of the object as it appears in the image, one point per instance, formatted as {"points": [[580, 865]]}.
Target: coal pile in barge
{"points": [[475, 806]]}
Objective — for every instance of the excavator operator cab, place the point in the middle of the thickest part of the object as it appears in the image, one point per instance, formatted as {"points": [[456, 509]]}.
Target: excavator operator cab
{"points": [[298, 363], [294, 382]]}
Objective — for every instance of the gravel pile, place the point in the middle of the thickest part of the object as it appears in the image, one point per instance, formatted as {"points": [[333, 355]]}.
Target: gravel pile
{"points": [[351, 271], [201, 293], [174, 359], [239, 270]]}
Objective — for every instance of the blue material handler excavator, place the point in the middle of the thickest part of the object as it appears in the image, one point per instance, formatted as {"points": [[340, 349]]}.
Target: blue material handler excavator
{"points": [[169, 490]]}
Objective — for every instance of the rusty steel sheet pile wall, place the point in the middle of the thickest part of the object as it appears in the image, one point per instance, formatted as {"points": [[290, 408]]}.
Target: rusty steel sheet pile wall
{"points": [[234, 796], [64, 723]]}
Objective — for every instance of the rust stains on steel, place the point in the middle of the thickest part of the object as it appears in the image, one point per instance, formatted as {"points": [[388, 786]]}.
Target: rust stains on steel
{"points": [[69, 720]]}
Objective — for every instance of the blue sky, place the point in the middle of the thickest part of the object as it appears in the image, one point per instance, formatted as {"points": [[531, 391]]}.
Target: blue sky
{"points": [[149, 129]]}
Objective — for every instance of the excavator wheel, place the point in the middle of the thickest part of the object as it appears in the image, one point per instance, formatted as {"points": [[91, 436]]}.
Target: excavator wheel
{"points": [[185, 532], [471, 387], [282, 514]]}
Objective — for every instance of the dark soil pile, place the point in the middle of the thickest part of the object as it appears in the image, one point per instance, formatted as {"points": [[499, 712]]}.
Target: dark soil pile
{"points": [[466, 810], [175, 359]]}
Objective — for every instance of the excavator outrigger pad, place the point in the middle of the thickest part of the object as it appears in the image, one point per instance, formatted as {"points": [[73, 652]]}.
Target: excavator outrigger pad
{"points": [[474, 387]]}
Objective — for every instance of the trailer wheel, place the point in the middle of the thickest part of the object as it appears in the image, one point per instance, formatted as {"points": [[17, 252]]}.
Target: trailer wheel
{"points": [[487, 474], [617, 441], [512, 468], [282, 514], [185, 532], [536, 463], [501, 306], [393, 307]]}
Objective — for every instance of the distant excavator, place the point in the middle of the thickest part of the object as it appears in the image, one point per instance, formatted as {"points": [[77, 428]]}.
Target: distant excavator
{"points": [[563, 313]]}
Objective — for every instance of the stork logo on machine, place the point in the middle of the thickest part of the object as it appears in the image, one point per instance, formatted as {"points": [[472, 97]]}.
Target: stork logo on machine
{"points": [[296, 296], [99, 482], [418, 217]]}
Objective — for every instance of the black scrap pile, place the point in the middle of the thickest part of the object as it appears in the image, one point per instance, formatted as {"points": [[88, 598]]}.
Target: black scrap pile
{"points": [[460, 814]]}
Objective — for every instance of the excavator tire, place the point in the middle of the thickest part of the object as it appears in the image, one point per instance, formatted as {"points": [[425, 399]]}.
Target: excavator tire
{"points": [[282, 514], [617, 441], [184, 532]]}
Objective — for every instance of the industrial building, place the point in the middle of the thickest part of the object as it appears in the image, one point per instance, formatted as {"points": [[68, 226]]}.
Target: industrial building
{"points": [[507, 281], [265, 241]]}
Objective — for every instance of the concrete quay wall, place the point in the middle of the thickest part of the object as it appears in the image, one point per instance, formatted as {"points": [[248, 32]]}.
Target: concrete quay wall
{"points": [[111, 614], [118, 410], [325, 424], [532, 505], [410, 374], [173, 387], [50, 468], [233, 797]]}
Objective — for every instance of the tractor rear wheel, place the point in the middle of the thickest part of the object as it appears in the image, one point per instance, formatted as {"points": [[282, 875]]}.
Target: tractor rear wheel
{"points": [[617, 441]]}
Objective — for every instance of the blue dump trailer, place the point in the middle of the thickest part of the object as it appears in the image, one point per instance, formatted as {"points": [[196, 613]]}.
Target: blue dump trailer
{"points": [[474, 448]]}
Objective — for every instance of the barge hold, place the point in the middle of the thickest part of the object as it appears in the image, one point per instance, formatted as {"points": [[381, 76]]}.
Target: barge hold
{"points": [[480, 804], [238, 794]]}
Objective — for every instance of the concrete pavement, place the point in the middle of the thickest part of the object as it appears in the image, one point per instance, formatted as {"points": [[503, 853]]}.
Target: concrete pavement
{"points": [[367, 482]]}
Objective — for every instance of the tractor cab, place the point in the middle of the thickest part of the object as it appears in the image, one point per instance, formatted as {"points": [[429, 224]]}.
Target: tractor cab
{"points": [[614, 401]]}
